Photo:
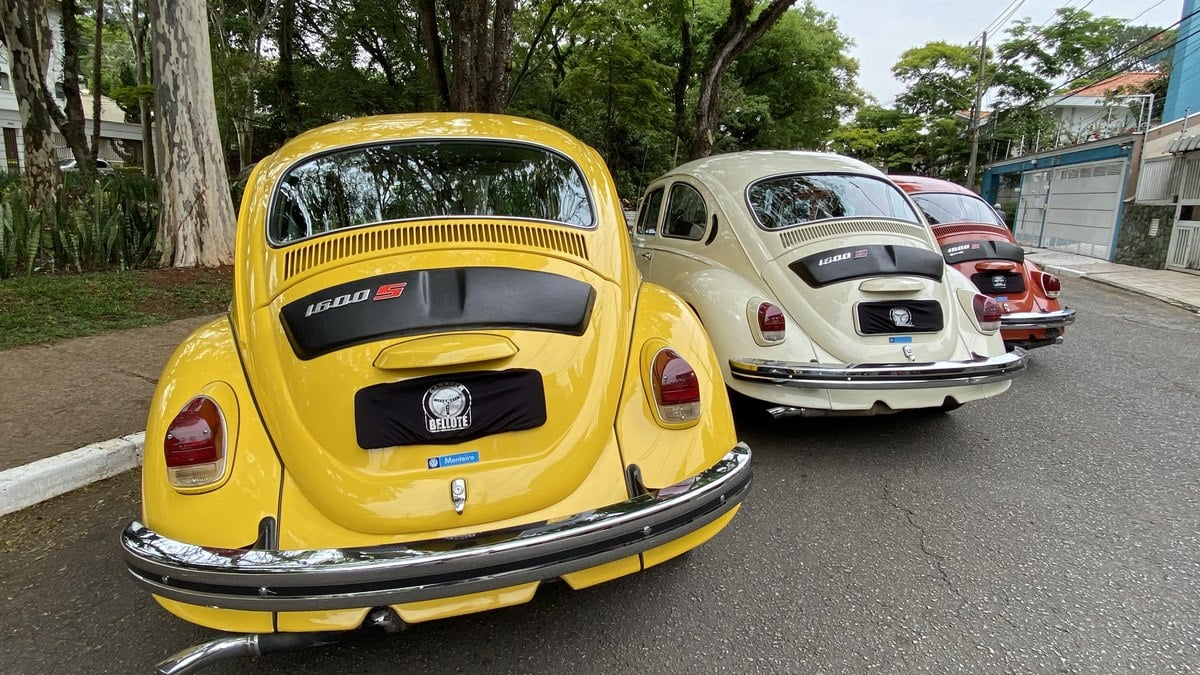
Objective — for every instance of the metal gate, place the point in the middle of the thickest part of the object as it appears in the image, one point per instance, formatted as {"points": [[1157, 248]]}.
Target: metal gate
{"points": [[1031, 209], [1183, 253]]}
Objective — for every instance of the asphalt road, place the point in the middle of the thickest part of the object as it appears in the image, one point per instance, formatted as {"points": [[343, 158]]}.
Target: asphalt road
{"points": [[1053, 529]]}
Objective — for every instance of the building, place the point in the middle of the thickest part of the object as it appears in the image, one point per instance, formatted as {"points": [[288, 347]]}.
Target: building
{"points": [[1132, 198], [1115, 106], [120, 141]]}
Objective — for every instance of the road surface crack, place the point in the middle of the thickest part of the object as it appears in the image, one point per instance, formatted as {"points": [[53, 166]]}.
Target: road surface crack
{"points": [[938, 560]]}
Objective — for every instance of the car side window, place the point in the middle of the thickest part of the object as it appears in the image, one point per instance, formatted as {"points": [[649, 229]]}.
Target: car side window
{"points": [[687, 214], [648, 219]]}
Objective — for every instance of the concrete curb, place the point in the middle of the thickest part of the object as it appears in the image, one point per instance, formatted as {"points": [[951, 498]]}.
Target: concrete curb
{"points": [[1065, 272], [24, 486]]}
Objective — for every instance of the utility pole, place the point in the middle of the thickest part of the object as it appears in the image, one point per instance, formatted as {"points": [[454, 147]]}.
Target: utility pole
{"points": [[975, 112]]}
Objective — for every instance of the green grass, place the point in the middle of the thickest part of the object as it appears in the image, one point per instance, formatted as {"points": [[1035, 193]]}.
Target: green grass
{"points": [[42, 309]]}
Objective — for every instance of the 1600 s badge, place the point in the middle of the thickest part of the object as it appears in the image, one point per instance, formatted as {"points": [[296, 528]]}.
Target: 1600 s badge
{"points": [[384, 292], [447, 407]]}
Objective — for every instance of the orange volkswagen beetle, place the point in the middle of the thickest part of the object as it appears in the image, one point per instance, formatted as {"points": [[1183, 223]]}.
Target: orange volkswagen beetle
{"points": [[976, 242]]}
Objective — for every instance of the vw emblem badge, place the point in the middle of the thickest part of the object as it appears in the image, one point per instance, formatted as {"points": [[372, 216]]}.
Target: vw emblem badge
{"points": [[909, 353], [901, 317], [447, 407]]}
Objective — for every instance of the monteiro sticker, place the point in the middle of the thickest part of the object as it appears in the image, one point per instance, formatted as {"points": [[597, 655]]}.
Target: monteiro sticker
{"points": [[457, 459]]}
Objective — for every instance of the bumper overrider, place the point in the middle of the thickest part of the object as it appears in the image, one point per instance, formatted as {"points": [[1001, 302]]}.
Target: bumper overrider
{"points": [[1037, 320], [320, 579], [978, 370]]}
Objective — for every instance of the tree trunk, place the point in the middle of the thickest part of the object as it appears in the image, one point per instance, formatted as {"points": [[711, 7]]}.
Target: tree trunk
{"points": [[433, 47], [141, 26], [26, 32], [687, 57], [97, 110], [197, 223], [285, 75], [480, 46], [72, 125], [730, 41]]}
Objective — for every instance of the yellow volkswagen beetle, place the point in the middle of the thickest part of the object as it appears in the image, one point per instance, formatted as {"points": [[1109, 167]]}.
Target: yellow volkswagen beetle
{"points": [[441, 382]]}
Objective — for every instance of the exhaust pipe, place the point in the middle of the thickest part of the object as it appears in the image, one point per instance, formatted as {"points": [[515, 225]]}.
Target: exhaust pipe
{"points": [[261, 644], [782, 411], [203, 655]]}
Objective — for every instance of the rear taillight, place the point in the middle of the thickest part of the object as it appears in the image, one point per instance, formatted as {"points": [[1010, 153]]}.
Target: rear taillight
{"points": [[988, 311], [194, 445], [676, 388], [1050, 284], [771, 324]]}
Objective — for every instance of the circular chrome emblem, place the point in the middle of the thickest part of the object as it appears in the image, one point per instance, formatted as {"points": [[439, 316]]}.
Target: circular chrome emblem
{"points": [[909, 353], [901, 317], [447, 407]]}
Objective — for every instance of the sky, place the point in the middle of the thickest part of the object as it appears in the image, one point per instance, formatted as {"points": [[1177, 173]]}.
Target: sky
{"points": [[884, 29]]}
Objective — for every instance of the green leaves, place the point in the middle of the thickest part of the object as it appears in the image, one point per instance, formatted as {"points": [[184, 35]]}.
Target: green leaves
{"points": [[113, 225]]}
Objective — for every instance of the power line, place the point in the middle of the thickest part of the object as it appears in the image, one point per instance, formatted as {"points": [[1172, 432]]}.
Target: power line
{"points": [[1145, 11], [1000, 19], [1113, 59]]}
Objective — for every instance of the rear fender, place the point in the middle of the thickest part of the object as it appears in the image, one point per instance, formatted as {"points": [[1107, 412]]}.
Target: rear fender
{"points": [[663, 453], [227, 514], [723, 300]]}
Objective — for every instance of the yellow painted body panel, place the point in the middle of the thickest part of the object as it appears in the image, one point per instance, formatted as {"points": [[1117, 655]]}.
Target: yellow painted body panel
{"points": [[602, 573], [667, 455], [227, 517], [231, 620], [304, 468], [311, 412], [661, 554], [304, 526]]}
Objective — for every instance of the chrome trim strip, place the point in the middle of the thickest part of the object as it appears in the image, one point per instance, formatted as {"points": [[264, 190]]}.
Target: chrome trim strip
{"points": [[382, 575], [1037, 320], [979, 370]]}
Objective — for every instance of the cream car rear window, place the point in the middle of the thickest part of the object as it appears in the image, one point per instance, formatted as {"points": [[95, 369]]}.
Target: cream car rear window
{"points": [[780, 202], [428, 179], [942, 207]]}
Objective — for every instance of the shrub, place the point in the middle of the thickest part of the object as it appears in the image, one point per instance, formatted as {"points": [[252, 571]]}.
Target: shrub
{"points": [[111, 223]]}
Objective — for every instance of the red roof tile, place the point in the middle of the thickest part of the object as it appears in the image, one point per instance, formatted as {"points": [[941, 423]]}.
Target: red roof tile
{"points": [[1121, 83]]}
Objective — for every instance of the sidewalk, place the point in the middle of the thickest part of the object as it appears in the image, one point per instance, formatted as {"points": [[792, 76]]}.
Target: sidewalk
{"points": [[65, 395], [57, 398], [1177, 288]]}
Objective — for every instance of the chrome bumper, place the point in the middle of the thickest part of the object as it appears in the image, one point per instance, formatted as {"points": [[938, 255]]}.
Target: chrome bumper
{"points": [[979, 370], [381, 575], [1037, 320]]}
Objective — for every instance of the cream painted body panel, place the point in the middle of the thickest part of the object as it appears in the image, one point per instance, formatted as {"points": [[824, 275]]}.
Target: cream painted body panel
{"points": [[720, 275]]}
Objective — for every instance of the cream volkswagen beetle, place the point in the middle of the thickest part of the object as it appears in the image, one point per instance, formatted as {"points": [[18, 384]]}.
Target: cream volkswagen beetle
{"points": [[820, 285]]}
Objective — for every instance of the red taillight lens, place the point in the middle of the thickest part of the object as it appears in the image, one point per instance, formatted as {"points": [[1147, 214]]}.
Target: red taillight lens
{"points": [[1051, 285], [988, 311], [194, 445], [676, 388], [771, 323]]}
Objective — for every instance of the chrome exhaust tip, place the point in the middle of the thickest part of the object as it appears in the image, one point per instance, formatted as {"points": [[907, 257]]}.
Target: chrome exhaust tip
{"points": [[782, 411], [203, 655]]}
